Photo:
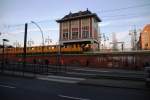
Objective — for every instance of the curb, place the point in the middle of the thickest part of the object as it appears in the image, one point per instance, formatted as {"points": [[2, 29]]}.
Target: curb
{"points": [[112, 86], [118, 78], [100, 85], [17, 75]]}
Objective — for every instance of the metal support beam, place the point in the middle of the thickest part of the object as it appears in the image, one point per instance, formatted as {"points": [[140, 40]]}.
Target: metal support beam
{"points": [[25, 46]]}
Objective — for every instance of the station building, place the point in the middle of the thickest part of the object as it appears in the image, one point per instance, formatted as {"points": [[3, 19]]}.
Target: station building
{"points": [[80, 29]]}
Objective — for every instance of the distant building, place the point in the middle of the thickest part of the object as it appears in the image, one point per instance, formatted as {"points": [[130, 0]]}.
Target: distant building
{"points": [[145, 38], [80, 29]]}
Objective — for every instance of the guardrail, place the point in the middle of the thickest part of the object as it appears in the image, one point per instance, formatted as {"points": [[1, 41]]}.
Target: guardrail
{"points": [[31, 68]]}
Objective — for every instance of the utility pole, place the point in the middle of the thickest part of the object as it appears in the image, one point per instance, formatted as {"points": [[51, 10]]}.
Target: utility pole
{"points": [[105, 38], [48, 40], [135, 39], [99, 40], [25, 46], [133, 34], [114, 41], [30, 42]]}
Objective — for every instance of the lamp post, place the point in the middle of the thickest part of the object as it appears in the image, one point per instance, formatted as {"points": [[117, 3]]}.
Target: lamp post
{"points": [[58, 53], [4, 40], [41, 33]]}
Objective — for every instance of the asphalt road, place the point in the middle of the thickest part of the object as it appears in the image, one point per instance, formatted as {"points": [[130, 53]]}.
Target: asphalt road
{"points": [[132, 74], [18, 88]]}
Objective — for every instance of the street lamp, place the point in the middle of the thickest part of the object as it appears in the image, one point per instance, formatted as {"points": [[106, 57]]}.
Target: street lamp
{"points": [[41, 33]]}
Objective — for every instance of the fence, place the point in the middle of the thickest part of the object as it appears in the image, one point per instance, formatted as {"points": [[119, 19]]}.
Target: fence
{"points": [[32, 69]]}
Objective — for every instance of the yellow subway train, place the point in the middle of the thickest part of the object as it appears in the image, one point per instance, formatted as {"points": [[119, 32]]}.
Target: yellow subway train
{"points": [[44, 49]]}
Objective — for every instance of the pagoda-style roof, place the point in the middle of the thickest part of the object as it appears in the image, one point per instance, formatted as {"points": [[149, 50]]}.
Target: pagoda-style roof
{"points": [[78, 15]]}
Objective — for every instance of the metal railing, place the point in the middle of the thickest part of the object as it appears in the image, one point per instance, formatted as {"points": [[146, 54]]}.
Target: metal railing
{"points": [[13, 68]]}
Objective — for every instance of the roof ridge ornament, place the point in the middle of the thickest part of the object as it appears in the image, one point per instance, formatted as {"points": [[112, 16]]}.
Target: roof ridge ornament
{"points": [[70, 13], [87, 9]]}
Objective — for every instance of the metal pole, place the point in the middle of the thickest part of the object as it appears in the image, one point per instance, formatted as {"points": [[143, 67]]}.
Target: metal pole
{"points": [[41, 33], [59, 56], [25, 46], [3, 58], [122, 46]]}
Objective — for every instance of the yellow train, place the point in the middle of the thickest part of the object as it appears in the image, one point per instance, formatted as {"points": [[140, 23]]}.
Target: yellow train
{"points": [[46, 49]]}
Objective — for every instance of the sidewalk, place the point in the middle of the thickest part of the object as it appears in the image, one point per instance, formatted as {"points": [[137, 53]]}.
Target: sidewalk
{"points": [[61, 79], [107, 70], [106, 73], [115, 83]]}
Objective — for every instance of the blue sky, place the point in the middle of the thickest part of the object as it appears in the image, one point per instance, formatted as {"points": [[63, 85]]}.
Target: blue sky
{"points": [[118, 16]]}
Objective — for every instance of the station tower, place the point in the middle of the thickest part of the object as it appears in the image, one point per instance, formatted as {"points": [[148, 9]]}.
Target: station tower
{"points": [[80, 29]]}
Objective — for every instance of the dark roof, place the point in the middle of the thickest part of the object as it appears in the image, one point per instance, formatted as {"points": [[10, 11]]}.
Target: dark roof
{"points": [[80, 14]]}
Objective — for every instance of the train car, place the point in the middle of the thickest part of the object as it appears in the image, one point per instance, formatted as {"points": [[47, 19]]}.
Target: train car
{"points": [[44, 49]]}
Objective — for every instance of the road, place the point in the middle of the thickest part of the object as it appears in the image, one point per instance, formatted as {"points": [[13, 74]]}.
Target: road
{"points": [[19, 88], [104, 73]]}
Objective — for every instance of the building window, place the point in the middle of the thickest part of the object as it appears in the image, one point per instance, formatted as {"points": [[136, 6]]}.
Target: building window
{"points": [[146, 46], [74, 33], [65, 36], [65, 24], [74, 23], [85, 21], [85, 32]]}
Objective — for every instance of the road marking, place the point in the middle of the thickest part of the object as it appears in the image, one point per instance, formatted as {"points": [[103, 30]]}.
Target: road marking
{"points": [[7, 86], [59, 80], [73, 98], [65, 78], [91, 70], [79, 73]]}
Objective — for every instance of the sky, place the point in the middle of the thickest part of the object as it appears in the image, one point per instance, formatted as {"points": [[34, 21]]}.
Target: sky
{"points": [[118, 16]]}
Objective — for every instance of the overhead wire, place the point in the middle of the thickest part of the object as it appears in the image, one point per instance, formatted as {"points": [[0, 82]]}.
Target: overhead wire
{"points": [[103, 11], [124, 8]]}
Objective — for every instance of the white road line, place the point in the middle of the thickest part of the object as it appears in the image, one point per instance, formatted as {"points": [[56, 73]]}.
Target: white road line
{"points": [[79, 73], [73, 98], [59, 80], [7, 86], [91, 70], [65, 78]]}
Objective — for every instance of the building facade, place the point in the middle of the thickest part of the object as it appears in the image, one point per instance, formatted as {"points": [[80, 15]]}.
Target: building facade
{"points": [[145, 38], [80, 29]]}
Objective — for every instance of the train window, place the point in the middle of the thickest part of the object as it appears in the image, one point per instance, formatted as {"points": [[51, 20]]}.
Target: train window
{"points": [[65, 46], [32, 48], [49, 48], [71, 46], [76, 45], [52, 47]]}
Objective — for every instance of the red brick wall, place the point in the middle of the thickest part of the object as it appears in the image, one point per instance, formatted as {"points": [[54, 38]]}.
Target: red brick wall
{"points": [[122, 61]]}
